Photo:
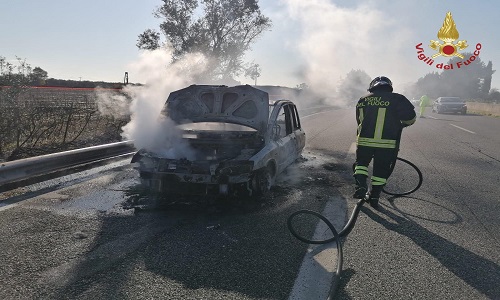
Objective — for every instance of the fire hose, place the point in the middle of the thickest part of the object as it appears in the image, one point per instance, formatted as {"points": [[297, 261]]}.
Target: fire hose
{"points": [[347, 228]]}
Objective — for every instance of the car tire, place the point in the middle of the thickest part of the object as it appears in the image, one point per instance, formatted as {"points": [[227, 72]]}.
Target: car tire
{"points": [[262, 181]]}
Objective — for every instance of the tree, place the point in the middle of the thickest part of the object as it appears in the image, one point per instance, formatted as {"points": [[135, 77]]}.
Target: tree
{"points": [[464, 82], [253, 71], [470, 81], [223, 32], [429, 85], [148, 40], [488, 74], [38, 76], [493, 96]]}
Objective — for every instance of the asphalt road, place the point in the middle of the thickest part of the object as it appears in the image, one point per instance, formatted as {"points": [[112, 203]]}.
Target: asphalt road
{"points": [[443, 241], [79, 237]]}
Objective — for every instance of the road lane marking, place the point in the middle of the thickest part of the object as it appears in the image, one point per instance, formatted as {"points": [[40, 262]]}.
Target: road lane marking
{"points": [[319, 264], [462, 128], [321, 112], [314, 107], [7, 206], [352, 149]]}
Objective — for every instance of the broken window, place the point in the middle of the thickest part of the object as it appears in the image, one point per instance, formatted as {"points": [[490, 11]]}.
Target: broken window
{"points": [[295, 117], [284, 121]]}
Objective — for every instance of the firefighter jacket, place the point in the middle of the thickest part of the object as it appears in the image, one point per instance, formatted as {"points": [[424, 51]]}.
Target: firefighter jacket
{"points": [[381, 116]]}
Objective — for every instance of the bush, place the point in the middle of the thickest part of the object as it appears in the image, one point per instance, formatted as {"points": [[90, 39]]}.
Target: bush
{"points": [[39, 121]]}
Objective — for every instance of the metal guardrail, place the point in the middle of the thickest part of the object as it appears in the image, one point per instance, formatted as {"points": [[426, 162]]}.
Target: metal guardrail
{"points": [[20, 170]]}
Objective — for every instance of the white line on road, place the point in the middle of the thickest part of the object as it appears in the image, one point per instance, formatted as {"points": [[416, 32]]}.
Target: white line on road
{"points": [[315, 107], [352, 149], [462, 128], [7, 206], [319, 265], [321, 112]]}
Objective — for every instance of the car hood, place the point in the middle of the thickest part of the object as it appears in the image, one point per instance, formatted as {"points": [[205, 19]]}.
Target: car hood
{"points": [[241, 104]]}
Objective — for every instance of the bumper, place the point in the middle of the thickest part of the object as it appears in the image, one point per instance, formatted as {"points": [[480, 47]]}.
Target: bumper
{"points": [[451, 108], [196, 184]]}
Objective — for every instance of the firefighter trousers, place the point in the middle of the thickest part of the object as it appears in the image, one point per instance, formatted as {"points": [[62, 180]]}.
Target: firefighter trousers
{"points": [[383, 159]]}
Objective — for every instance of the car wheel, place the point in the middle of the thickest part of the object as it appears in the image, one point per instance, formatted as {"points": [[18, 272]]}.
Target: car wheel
{"points": [[262, 181]]}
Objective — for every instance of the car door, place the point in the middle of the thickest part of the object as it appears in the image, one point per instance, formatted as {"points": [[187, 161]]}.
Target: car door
{"points": [[286, 139], [300, 136]]}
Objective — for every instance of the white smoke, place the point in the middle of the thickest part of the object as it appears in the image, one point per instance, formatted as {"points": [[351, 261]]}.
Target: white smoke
{"points": [[147, 128], [112, 103], [335, 40]]}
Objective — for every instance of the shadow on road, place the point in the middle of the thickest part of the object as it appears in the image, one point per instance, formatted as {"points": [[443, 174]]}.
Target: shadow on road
{"points": [[183, 253], [478, 272]]}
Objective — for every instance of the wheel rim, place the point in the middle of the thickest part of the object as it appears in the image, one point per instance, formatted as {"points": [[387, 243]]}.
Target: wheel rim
{"points": [[263, 181]]}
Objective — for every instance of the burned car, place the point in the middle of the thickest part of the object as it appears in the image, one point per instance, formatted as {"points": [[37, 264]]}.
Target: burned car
{"points": [[240, 139]]}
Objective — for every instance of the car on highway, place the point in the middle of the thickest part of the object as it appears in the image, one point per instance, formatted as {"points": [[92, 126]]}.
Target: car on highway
{"points": [[449, 105], [238, 140]]}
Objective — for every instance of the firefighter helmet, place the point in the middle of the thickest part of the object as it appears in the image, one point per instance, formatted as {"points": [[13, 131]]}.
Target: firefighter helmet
{"points": [[380, 81]]}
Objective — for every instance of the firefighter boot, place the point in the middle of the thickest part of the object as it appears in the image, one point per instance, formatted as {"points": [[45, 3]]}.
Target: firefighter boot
{"points": [[361, 186], [374, 195]]}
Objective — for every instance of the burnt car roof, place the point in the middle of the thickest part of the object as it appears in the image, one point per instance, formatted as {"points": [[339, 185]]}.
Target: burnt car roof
{"points": [[240, 104]]}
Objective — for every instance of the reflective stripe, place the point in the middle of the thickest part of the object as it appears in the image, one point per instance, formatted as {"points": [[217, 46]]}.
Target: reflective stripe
{"points": [[379, 126], [378, 180], [361, 117], [376, 143], [361, 170]]}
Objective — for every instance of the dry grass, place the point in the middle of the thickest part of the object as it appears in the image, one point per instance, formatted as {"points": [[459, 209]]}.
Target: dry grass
{"points": [[38, 122]]}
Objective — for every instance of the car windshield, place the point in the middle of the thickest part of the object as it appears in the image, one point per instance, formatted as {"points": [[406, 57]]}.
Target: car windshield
{"points": [[451, 99]]}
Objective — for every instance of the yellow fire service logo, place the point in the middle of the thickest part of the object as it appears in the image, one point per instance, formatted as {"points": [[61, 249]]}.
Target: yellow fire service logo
{"points": [[448, 34]]}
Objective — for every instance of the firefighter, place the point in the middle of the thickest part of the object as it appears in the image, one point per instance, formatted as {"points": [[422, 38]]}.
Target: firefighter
{"points": [[381, 115], [424, 102]]}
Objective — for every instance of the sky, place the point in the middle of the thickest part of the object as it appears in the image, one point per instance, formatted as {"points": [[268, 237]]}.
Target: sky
{"points": [[314, 42]]}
